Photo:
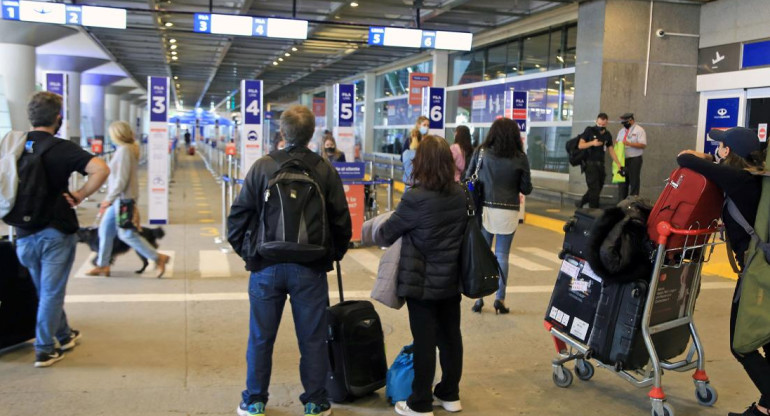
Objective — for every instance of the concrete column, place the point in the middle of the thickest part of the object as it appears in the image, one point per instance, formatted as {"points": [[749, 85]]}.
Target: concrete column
{"points": [[369, 106], [92, 106], [610, 76], [306, 100], [440, 68], [131, 120], [73, 106], [125, 105], [18, 78], [111, 110]]}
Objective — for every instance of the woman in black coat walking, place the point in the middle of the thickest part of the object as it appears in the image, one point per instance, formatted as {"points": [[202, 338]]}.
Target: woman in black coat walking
{"points": [[431, 218]]}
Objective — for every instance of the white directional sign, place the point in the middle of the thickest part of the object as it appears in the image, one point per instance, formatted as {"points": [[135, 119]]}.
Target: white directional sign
{"points": [[158, 146], [252, 141]]}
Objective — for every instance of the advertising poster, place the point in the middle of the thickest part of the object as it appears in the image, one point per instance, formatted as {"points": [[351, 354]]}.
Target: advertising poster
{"points": [[354, 193], [418, 81], [158, 151], [252, 146], [721, 113], [56, 82]]}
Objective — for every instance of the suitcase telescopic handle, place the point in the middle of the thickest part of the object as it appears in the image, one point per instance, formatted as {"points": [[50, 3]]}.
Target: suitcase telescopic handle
{"points": [[339, 281]]}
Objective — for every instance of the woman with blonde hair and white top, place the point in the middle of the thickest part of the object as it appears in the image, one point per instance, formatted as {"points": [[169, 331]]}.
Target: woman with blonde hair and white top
{"points": [[123, 184]]}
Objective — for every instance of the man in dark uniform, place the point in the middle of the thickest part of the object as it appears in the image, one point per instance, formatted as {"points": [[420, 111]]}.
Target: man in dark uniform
{"points": [[595, 139]]}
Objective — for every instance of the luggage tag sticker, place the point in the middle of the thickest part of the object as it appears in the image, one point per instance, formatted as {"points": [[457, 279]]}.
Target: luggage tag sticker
{"points": [[588, 271], [570, 269], [580, 285], [579, 328]]}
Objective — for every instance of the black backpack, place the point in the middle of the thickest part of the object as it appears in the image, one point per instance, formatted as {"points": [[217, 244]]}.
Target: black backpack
{"points": [[294, 227], [576, 155], [34, 206]]}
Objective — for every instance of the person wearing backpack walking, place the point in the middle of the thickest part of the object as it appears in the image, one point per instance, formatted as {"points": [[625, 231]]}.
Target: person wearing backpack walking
{"points": [[123, 187], [594, 140], [289, 224], [45, 221], [736, 162]]}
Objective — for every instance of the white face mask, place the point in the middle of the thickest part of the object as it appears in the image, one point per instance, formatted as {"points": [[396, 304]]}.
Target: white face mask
{"points": [[423, 130], [717, 158]]}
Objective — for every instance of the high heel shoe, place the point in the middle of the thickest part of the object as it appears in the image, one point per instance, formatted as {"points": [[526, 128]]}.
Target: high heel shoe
{"points": [[160, 265], [99, 271], [500, 307], [477, 306]]}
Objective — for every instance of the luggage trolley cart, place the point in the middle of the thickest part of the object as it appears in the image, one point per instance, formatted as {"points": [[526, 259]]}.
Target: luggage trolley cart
{"points": [[697, 249]]}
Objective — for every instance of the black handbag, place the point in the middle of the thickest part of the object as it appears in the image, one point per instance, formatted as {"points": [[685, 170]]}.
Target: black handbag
{"points": [[479, 270], [476, 187], [126, 209]]}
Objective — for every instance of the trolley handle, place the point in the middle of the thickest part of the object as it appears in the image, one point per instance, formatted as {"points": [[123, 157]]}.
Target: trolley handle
{"points": [[665, 229]]}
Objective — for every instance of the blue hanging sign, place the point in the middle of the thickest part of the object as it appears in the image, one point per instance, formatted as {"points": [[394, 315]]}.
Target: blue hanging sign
{"points": [[721, 113], [159, 99], [346, 97]]}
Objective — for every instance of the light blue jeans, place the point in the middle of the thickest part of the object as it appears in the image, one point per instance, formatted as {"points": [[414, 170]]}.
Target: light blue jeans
{"points": [[49, 254], [108, 230], [502, 250]]}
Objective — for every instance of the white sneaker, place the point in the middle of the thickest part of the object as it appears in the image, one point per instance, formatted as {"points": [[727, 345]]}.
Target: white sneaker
{"points": [[453, 406], [403, 409]]}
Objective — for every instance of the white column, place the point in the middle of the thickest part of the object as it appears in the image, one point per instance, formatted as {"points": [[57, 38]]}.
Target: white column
{"points": [[369, 94], [131, 120], [111, 111], [440, 68], [73, 106], [92, 103], [18, 77], [329, 108], [125, 104]]}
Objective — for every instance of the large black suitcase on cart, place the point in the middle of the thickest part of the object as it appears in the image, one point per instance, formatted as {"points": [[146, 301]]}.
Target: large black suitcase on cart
{"points": [[574, 299], [18, 298], [577, 232], [616, 336], [357, 362]]}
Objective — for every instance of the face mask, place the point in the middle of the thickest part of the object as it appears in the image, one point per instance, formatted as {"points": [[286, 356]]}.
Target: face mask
{"points": [[627, 124], [423, 130], [330, 149], [717, 158], [600, 129]]}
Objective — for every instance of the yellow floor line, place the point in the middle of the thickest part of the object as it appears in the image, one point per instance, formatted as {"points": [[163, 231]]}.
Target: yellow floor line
{"points": [[206, 221]]}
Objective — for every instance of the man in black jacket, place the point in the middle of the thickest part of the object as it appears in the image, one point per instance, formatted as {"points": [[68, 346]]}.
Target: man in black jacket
{"points": [[272, 280], [596, 139]]}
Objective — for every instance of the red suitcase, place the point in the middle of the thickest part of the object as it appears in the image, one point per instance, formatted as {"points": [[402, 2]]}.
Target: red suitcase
{"points": [[191, 151], [689, 200]]}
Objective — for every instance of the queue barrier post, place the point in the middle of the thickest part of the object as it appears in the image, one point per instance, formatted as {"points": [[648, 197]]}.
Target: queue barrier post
{"points": [[223, 230]]}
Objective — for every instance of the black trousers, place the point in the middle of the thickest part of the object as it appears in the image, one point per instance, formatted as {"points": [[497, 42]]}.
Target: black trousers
{"points": [[633, 178], [435, 323], [595, 176], [757, 366]]}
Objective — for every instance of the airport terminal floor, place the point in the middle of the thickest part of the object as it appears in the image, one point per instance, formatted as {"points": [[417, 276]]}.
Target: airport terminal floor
{"points": [[176, 345]]}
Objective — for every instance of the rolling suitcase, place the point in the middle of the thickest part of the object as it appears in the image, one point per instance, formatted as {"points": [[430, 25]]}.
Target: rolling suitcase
{"points": [[18, 298], [577, 231], [616, 337], [574, 299], [688, 200], [190, 150], [357, 362]]}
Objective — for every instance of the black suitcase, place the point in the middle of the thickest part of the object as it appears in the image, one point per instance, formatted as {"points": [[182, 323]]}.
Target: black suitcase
{"points": [[357, 362], [574, 299], [577, 231], [616, 337], [18, 298]]}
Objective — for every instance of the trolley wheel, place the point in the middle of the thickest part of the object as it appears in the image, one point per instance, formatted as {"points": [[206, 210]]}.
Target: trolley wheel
{"points": [[667, 411], [562, 377], [709, 398], [584, 370]]}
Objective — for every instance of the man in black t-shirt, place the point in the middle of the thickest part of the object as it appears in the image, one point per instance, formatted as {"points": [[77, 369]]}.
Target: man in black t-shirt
{"points": [[594, 140], [48, 252]]}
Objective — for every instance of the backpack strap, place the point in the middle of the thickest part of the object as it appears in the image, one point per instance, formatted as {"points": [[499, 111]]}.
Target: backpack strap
{"points": [[741, 220]]}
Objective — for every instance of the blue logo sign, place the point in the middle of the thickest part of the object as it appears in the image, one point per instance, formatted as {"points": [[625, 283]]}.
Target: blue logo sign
{"points": [[377, 36], [350, 171], [158, 99], [252, 102], [252, 136], [721, 113], [346, 97]]}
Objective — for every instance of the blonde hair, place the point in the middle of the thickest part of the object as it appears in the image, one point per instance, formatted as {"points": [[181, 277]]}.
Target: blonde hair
{"points": [[416, 136], [122, 135]]}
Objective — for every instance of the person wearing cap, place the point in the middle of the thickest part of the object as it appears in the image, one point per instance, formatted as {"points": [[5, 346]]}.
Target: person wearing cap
{"points": [[734, 173], [634, 138], [595, 139]]}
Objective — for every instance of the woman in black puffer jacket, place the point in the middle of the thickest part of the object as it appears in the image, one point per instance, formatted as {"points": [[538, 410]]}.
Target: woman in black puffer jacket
{"points": [[431, 218]]}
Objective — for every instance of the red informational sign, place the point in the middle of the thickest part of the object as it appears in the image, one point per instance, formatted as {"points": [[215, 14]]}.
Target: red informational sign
{"points": [[230, 149], [97, 146], [355, 196], [417, 80], [762, 132], [319, 106]]}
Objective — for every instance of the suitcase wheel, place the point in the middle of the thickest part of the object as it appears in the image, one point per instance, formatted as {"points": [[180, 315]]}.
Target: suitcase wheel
{"points": [[562, 377]]}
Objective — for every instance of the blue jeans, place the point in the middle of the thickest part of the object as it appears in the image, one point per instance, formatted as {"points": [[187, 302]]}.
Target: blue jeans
{"points": [[309, 293], [49, 254], [108, 230], [502, 249]]}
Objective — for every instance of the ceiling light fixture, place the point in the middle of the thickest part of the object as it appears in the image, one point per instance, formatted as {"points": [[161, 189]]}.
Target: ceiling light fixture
{"points": [[294, 49], [353, 4], [173, 52], [174, 47], [287, 54], [280, 59], [175, 58], [275, 63], [172, 40], [169, 24], [176, 77]]}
